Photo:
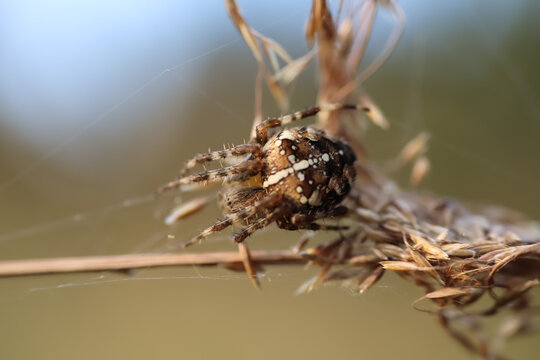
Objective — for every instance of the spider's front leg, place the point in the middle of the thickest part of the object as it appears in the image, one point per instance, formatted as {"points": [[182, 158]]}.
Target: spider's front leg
{"points": [[268, 202], [242, 171], [300, 221], [238, 150], [263, 222], [262, 129]]}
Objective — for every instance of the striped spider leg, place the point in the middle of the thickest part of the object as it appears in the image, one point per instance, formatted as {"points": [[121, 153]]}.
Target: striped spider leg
{"points": [[262, 129], [300, 221], [239, 172], [257, 209], [238, 150], [278, 212]]}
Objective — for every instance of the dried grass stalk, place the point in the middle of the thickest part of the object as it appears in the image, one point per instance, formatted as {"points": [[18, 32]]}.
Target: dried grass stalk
{"points": [[456, 256]]}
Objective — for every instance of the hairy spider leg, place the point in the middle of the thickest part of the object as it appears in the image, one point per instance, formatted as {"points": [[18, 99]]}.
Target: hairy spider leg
{"points": [[243, 233], [265, 203], [312, 226], [262, 129], [307, 221], [242, 149], [245, 169]]}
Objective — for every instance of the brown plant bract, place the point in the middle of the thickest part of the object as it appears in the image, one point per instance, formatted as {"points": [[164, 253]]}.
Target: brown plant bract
{"points": [[457, 257]]}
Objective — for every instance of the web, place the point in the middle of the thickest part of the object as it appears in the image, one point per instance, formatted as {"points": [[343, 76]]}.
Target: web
{"points": [[86, 187]]}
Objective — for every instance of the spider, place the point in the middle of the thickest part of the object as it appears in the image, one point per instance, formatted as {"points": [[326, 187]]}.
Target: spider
{"points": [[294, 177]]}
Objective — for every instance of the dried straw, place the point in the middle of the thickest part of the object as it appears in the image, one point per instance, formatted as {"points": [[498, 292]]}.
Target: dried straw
{"points": [[456, 256]]}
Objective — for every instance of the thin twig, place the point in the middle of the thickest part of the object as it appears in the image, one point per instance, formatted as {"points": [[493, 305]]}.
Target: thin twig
{"points": [[134, 261]]}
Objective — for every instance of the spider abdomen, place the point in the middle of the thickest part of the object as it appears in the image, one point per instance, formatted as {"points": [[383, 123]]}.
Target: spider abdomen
{"points": [[311, 170]]}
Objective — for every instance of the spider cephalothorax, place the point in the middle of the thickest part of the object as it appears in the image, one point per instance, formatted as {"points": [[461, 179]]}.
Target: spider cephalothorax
{"points": [[292, 178]]}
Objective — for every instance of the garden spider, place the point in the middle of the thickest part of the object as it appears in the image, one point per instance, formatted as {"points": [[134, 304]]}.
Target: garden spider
{"points": [[293, 178]]}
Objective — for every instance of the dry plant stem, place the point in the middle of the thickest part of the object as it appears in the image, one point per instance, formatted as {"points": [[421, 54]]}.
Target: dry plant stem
{"points": [[454, 255], [481, 349], [365, 25], [135, 261], [249, 265], [258, 99], [391, 43]]}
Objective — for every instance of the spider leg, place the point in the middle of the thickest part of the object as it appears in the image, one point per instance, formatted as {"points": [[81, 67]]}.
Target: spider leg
{"points": [[261, 130], [222, 154], [244, 170], [242, 234], [265, 203], [336, 212], [307, 221], [340, 184], [310, 225]]}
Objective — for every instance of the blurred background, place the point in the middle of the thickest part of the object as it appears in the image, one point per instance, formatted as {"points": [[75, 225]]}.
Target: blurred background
{"points": [[101, 102]]}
